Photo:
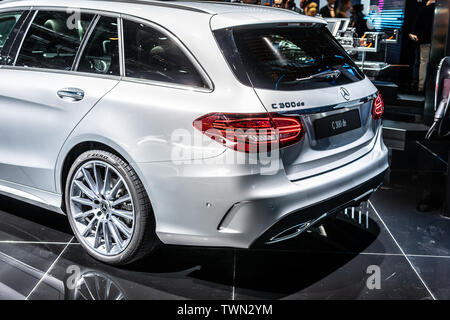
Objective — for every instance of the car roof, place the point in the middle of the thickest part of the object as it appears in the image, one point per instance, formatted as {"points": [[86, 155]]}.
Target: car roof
{"points": [[200, 7]]}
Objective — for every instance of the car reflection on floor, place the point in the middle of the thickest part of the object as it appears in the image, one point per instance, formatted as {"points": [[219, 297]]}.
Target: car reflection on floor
{"points": [[40, 259]]}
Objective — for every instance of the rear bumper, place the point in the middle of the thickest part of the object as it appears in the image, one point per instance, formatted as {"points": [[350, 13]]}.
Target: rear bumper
{"points": [[309, 216], [232, 206]]}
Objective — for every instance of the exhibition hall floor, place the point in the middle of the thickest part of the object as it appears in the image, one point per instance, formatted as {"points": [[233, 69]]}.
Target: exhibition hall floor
{"points": [[409, 250]]}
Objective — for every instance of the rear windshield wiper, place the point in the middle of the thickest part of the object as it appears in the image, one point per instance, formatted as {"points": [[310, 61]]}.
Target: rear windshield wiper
{"points": [[330, 74]]}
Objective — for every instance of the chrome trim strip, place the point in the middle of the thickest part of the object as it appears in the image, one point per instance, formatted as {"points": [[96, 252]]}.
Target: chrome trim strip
{"points": [[150, 3], [24, 36], [29, 198], [121, 46], [302, 227], [85, 10], [84, 42], [67, 72], [28, 12], [180, 45], [110, 77], [167, 85], [64, 9], [373, 141], [365, 194], [334, 107], [163, 5], [24, 8]]}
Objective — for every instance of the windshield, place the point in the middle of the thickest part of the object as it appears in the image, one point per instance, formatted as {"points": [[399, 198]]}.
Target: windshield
{"points": [[287, 58]]}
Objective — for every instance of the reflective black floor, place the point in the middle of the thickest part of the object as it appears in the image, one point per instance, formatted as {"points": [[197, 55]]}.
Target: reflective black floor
{"points": [[385, 249]]}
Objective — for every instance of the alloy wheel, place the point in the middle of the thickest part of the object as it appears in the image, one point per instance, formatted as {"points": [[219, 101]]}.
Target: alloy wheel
{"points": [[102, 208]]}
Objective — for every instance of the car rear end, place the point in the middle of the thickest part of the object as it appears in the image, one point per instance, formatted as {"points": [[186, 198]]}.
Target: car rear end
{"points": [[298, 69], [336, 159], [301, 127]]}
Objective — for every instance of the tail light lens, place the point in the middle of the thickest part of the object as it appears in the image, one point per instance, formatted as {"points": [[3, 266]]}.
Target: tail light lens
{"points": [[378, 107], [251, 132]]}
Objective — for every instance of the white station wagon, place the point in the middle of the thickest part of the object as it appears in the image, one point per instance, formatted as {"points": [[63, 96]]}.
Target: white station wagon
{"points": [[193, 123]]}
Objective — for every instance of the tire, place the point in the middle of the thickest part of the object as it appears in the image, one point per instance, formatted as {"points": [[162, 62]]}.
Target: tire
{"points": [[92, 215]]}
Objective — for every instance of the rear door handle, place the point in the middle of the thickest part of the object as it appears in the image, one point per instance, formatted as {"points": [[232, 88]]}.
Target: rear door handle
{"points": [[71, 94]]}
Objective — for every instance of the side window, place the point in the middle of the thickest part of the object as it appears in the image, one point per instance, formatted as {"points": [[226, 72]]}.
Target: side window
{"points": [[7, 22], [53, 40], [101, 54], [151, 55]]}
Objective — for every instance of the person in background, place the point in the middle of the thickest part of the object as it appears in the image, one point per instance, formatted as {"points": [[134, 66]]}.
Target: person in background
{"points": [[312, 12], [344, 9], [421, 34], [251, 2], [304, 4], [311, 9], [278, 4], [328, 10], [358, 20], [290, 5]]}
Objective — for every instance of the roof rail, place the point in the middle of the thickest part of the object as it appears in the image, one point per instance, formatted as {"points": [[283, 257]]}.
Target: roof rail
{"points": [[165, 4]]}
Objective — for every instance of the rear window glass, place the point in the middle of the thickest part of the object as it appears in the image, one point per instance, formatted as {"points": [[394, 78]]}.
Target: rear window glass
{"points": [[152, 55], [7, 23], [53, 40], [102, 50], [287, 58]]}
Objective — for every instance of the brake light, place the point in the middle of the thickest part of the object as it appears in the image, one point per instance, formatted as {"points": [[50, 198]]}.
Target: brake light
{"points": [[251, 132], [378, 107]]}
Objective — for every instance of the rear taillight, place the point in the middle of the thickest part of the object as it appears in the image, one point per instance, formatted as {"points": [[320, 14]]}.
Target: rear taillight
{"points": [[251, 132], [378, 107]]}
